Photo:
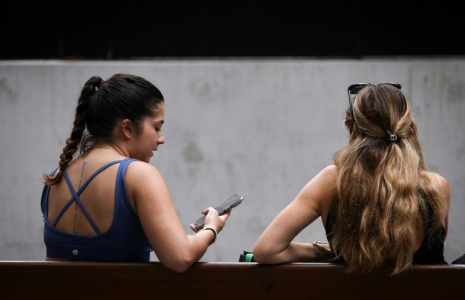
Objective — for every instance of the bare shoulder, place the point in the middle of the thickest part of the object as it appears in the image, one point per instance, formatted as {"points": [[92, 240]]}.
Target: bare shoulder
{"points": [[321, 188], [327, 177], [324, 178], [445, 188], [142, 174], [145, 186], [330, 171], [140, 168], [442, 183]]}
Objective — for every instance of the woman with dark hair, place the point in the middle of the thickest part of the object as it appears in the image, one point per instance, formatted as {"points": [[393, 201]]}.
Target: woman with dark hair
{"points": [[105, 202], [378, 204]]}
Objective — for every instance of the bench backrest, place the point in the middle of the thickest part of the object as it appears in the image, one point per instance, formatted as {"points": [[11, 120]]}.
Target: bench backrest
{"points": [[93, 280]]}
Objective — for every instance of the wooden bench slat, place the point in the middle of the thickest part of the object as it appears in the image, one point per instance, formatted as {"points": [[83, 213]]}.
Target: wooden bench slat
{"points": [[94, 280]]}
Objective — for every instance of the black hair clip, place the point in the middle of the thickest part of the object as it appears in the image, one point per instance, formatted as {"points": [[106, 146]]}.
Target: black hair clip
{"points": [[390, 138]]}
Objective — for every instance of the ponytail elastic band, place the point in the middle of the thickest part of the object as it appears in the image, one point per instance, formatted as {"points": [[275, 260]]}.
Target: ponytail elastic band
{"points": [[101, 83], [391, 137]]}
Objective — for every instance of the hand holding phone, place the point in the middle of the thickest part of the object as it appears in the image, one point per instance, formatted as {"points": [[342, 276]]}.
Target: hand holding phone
{"points": [[226, 206]]}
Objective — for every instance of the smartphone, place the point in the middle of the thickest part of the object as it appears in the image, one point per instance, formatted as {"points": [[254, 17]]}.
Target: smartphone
{"points": [[233, 201]]}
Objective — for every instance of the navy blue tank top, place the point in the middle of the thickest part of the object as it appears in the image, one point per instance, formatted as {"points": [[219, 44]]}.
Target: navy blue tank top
{"points": [[125, 240]]}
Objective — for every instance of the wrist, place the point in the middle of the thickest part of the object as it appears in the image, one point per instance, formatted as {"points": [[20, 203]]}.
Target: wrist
{"points": [[215, 233]]}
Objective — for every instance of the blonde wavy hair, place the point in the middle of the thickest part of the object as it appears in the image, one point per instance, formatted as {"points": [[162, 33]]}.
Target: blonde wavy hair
{"points": [[380, 211]]}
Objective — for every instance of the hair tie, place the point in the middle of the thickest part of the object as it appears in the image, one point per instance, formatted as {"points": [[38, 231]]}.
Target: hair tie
{"points": [[101, 83], [391, 137]]}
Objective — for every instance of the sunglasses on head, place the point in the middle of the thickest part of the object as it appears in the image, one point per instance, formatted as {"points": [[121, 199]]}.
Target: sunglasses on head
{"points": [[357, 87]]}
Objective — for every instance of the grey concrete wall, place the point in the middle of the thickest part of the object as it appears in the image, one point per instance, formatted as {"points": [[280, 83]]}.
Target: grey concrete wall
{"points": [[261, 128]]}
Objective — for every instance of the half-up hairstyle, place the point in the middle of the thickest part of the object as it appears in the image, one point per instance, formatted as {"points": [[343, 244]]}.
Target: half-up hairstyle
{"points": [[100, 106], [383, 192]]}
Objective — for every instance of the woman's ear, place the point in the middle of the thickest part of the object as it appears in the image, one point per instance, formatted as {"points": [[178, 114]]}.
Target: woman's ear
{"points": [[127, 128]]}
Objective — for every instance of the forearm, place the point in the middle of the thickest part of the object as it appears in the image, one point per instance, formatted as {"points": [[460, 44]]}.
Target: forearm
{"points": [[199, 244], [184, 253], [294, 252]]}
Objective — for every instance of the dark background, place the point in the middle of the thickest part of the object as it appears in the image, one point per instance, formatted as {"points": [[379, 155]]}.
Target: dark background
{"points": [[223, 29]]}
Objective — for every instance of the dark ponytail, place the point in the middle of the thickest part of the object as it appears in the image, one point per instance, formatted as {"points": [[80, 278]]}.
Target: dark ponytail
{"points": [[72, 142]]}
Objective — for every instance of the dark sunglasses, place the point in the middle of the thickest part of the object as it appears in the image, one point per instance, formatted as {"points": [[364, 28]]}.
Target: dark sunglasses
{"points": [[357, 87]]}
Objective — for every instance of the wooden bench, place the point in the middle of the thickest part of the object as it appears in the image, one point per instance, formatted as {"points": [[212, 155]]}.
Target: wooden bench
{"points": [[93, 280]]}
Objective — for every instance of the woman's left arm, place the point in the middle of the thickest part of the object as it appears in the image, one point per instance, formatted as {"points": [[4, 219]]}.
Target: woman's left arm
{"points": [[275, 244]]}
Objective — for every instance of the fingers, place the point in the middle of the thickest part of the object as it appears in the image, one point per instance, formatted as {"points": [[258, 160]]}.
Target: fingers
{"points": [[225, 216], [209, 210], [213, 219], [194, 229]]}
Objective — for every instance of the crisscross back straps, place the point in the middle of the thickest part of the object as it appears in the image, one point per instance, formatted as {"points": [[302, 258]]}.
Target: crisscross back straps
{"points": [[76, 196]]}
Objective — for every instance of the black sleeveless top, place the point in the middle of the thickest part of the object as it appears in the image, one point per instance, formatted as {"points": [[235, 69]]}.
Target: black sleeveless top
{"points": [[431, 250]]}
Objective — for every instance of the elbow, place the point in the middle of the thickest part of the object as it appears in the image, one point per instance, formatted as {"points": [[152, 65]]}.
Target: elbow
{"points": [[179, 264], [183, 264], [180, 268], [261, 259], [260, 256], [266, 253], [258, 259]]}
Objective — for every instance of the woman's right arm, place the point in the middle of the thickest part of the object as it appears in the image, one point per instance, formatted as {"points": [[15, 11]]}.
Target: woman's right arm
{"points": [[174, 249]]}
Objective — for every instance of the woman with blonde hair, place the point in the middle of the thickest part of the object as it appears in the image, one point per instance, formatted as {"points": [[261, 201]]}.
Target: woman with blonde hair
{"points": [[378, 204]]}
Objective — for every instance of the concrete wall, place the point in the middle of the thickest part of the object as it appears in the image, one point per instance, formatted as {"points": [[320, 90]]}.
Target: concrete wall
{"points": [[261, 128]]}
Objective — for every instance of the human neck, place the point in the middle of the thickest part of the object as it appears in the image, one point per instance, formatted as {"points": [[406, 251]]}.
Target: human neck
{"points": [[111, 147]]}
